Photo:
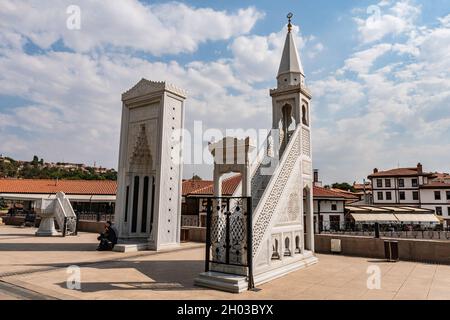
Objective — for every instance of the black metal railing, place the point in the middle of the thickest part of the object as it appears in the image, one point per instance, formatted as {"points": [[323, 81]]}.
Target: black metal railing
{"points": [[229, 233], [95, 216], [414, 234]]}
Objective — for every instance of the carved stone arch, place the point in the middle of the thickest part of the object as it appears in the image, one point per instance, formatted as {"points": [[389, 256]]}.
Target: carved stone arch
{"points": [[297, 244], [305, 113], [275, 249], [287, 246]]}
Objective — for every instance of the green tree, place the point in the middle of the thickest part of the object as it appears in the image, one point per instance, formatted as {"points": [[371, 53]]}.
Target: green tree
{"points": [[343, 186], [2, 203]]}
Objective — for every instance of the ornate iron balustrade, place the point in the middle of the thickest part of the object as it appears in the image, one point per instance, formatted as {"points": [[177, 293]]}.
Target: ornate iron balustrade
{"points": [[229, 233]]}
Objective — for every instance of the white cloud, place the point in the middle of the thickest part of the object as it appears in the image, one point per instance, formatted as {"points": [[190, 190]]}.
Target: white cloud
{"points": [[157, 29], [400, 111], [362, 61], [378, 22], [257, 58]]}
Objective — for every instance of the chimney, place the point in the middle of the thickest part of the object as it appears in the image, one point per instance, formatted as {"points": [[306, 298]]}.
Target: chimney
{"points": [[375, 170], [419, 168], [317, 183]]}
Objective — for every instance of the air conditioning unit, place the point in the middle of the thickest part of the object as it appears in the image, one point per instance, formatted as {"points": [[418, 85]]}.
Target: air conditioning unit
{"points": [[336, 246]]}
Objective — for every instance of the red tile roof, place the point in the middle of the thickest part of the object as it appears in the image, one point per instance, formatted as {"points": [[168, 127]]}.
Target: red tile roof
{"points": [[435, 185], [441, 176], [320, 192], [47, 186], [360, 186], [229, 186], [190, 186], [399, 172]]}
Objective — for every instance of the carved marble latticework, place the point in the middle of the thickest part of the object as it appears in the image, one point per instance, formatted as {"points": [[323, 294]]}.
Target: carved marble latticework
{"points": [[264, 216], [306, 142]]}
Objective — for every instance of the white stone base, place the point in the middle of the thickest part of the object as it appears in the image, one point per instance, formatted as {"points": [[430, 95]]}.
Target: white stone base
{"points": [[222, 281], [47, 228], [131, 247], [279, 271], [237, 283], [137, 245]]}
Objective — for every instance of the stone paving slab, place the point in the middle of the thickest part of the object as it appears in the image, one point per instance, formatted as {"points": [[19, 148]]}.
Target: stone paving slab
{"points": [[170, 275]]}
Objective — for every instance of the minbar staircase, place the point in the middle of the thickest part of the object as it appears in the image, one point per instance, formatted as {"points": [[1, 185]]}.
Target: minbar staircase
{"points": [[65, 215], [278, 240], [60, 210], [272, 193]]}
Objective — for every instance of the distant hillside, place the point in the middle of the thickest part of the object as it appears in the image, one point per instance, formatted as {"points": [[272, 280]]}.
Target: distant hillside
{"points": [[38, 169]]}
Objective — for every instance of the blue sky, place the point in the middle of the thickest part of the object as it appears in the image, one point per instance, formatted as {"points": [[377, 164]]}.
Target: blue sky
{"points": [[378, 71]]}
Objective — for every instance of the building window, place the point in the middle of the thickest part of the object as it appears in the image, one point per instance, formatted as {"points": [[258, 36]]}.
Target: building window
{"points": [[415, 195], [415, 183], [448, 195], [380, 195], [401, 183], [387, 183], [305, 115], [437, 195], [388, 195], [448, 211], [401, 195], [379, 183], [439, 211], [333, 207]]}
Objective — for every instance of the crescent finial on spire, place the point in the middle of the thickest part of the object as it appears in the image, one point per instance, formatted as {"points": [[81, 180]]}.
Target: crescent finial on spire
{"points": [[289, 16]]}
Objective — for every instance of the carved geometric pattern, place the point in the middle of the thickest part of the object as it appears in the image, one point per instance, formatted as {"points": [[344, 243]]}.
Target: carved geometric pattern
{"points": [[306, 145], [141, 158], [218, 236], [264, 216], [293, 207], [237, 246], [291, 213], [238, 238]]}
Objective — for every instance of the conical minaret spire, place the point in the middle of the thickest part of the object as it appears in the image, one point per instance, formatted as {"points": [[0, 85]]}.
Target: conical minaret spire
{"points": [[291, 69]]}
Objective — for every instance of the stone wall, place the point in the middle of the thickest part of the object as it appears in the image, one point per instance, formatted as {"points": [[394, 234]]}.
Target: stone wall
{"points": [[194, 234], [433, 251], [91, 226], [83, 225]]}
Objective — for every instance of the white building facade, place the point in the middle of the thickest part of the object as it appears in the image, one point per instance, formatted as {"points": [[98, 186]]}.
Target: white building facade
{"points": [[413, 187]]}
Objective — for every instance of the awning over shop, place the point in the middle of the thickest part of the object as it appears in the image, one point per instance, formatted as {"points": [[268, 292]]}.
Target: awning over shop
{"points": [[391, 214], [417, 217], [375, 217]]}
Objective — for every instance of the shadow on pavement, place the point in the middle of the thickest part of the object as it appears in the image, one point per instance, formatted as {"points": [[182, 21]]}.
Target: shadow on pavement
{"points": [[30, 246], [163, 275]]}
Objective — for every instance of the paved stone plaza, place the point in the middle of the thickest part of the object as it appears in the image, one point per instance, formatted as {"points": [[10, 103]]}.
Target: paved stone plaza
{"points": [[35, 268]]}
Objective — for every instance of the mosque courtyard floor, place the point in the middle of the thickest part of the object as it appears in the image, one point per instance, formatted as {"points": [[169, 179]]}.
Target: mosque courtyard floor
{"points": [[37, 268]]}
